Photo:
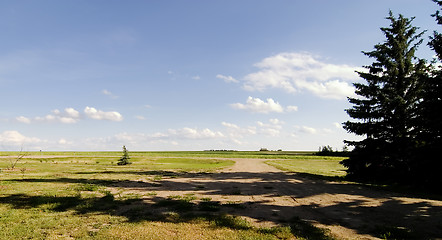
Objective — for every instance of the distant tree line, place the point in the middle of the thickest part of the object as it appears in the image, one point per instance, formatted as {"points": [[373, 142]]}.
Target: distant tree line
{"points": [[398, 109], [328, 151]]}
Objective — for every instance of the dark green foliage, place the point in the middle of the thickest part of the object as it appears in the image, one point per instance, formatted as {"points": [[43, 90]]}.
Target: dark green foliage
{"points": [[387, 108], [325, 150], [430, 123], [124, 160], [436, 39]]}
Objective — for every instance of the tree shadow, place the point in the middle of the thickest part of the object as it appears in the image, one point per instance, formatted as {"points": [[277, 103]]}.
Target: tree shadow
{"points": [[150, 172], [362, 209], [161, 209]]}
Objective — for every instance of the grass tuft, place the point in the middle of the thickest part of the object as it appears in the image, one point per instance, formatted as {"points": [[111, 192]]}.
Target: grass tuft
{"points": [[232, 222], [211, 206], [393, 233], [87, 187], [279, 232], [305, 230]]}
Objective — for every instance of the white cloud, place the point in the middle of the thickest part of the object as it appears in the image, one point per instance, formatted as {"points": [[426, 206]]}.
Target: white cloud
{"points": [[315, 131], [270, 132], [169, 137], [230, 125], [132, 139], [337, 125], [14, 138], [67, 120], [276, 121], [23, 119], [69, 116], [257, 105], [63, 141], [196, 77], [234, 129], [108, 93], [309, 130], [47, 118], [227, 79], [159, 135], [235, 133], [140, 117], [100, 115], [194, 133], [273, 128], [70, 112], [291, 108], [296, 72], [333, 89]]}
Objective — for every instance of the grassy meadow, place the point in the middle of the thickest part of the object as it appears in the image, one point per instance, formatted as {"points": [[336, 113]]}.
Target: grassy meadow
{"points": [[81, 195], [321, 167]]}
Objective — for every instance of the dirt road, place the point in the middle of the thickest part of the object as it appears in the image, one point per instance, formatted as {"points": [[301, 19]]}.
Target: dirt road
{"points": [[271, 196]]}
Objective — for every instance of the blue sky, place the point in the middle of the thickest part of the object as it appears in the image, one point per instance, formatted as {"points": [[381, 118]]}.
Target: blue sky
{"points": [[186, 75]]}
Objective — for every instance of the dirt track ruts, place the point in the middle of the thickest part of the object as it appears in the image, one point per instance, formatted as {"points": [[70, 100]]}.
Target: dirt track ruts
{"points": [[273, 196]]}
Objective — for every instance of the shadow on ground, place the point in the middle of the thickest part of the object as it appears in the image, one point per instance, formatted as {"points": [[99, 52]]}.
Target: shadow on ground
{"points": [[365, 210]]}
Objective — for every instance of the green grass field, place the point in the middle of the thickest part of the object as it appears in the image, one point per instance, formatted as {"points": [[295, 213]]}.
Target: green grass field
{"points": [[322, 167], [69, 197]]}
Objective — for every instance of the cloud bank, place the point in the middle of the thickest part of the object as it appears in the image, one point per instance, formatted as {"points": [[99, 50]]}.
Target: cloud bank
{"points": [[70, 116], [16, 138], [256, 105], [93, 113], [227, 79], [303, 72]]}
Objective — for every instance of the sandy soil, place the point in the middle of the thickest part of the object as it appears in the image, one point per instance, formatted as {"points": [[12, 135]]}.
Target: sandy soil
{"points": [[272, 197]]}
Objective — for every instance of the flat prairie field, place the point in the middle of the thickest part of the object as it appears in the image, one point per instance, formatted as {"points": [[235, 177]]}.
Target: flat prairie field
{"points": [[200, 195]]}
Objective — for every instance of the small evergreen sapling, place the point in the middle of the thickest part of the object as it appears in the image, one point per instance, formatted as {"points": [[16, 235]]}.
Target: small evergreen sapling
{"points": [[124, 160]]}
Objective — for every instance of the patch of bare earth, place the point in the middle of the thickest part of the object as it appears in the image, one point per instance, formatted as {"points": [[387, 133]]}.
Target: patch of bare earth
{"points": [[268, 197]]}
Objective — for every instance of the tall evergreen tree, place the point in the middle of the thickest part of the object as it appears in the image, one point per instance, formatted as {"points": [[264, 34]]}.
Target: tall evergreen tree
{"points": [[387, 107], [430, 122], [433, 90]]}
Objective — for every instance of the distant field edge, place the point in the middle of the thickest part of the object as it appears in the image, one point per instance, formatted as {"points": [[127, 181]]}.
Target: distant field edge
{"points": [[207, 153]]}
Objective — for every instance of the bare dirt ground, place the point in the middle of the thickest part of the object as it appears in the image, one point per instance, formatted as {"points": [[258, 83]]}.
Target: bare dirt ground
{"points": [[272, 197]]}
